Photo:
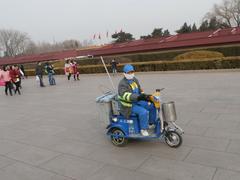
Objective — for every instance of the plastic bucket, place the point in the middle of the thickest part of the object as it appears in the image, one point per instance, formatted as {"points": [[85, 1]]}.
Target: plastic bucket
{"points": [[169, 111], [104, 112]]}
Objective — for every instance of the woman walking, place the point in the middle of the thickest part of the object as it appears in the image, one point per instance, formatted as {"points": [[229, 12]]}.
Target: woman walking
{"points": [[68, 69], [5, 76]]}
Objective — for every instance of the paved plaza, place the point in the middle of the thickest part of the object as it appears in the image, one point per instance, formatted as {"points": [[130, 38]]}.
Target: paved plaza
{"points": [[55, 133]]}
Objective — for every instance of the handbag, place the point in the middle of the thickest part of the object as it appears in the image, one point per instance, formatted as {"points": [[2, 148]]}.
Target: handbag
{"points": [[17, 80], [2, 83], [37, 78]]}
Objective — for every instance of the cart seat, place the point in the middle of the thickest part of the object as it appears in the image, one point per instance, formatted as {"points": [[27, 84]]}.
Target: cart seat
{"points": [[131, 116]]}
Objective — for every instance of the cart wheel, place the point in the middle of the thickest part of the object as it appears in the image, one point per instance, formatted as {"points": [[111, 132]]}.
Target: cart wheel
{"points": [[173, 139], [118, 141]]}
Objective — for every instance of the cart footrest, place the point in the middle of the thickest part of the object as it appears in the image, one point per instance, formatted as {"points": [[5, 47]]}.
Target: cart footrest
{"points": [[141, 136]]}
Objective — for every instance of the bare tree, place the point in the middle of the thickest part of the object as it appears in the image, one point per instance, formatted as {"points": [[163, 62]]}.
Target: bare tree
{"points": [[71, 44], [13, 42], [31, 48], [227, 13], [86, 43]]}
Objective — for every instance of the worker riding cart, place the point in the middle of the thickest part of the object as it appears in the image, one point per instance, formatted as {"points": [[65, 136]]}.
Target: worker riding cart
{"points": [[133, 114]]}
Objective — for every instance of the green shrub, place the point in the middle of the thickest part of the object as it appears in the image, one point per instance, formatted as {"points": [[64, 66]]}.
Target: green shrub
{"points": [[58, 64], [217, 63], [198, 55], [167, 55]]}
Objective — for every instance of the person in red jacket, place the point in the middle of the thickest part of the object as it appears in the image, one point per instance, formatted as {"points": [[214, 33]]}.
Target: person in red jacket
{"points": [[75, 70], [16, 75]]}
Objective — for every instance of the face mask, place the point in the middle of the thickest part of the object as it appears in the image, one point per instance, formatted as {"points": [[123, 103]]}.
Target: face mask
{"points": [[129, 76]]}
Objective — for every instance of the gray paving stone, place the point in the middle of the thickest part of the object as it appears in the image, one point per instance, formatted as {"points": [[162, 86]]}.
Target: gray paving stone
{"points": [[221, 123], [205, 142], [21, 171], [215, 159], [229, 117], [196, 116], [158, 149], [194, 130], [215, 107], [76, 134], [4, 123], [32, 155], [226, 175], [118, 157], [224, 133], [233, 109], [65, 119], [73, 167], [47, 129], [170, 169], [74, 148], [100, 139], [41, 140], [5, 162], [25, 125], [234, 146], [113, 172], [7, 146], [13, 134]]}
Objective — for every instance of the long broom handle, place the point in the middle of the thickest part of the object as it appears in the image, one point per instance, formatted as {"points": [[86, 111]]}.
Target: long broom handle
{"points": [[114, 88]]}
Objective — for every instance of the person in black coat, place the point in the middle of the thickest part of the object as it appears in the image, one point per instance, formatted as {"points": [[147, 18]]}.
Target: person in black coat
{"points": [[39, 73], [114, 66]]}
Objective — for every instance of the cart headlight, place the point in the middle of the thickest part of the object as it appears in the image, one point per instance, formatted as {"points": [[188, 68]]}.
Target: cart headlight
{"points": [[114, 119], [130, 121]]}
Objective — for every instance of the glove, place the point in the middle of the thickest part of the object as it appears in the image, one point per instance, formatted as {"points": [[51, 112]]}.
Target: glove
{"points": [[143, 97]]}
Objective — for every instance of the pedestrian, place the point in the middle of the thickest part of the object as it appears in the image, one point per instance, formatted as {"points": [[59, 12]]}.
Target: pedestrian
{"points": [[2, 83], [22, 75], [16, 79], [5, 76], [22, 71], [39, 74], [75, 71], [12, 75], [114, 66], [67, 68], [50, 72]]}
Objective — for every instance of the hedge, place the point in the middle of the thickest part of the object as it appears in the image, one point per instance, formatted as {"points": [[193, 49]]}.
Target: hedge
{"points": [[146, 57], [167, 55], [199, 55], [214, 63]]}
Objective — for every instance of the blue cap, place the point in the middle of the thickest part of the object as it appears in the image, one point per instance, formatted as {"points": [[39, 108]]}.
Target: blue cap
{"points": [[127, 68]]}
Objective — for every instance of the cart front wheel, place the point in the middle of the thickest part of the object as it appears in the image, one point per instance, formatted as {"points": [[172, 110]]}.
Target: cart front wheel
{"points": [[117, 138], [173, 139]]}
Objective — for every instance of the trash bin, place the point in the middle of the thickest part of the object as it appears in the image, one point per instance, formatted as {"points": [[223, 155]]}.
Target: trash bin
{"points": [[107, 105], [169, 111]]}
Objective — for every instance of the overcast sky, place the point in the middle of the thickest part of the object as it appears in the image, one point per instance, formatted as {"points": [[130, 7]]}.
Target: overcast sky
{"points": [[58, 20]]}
